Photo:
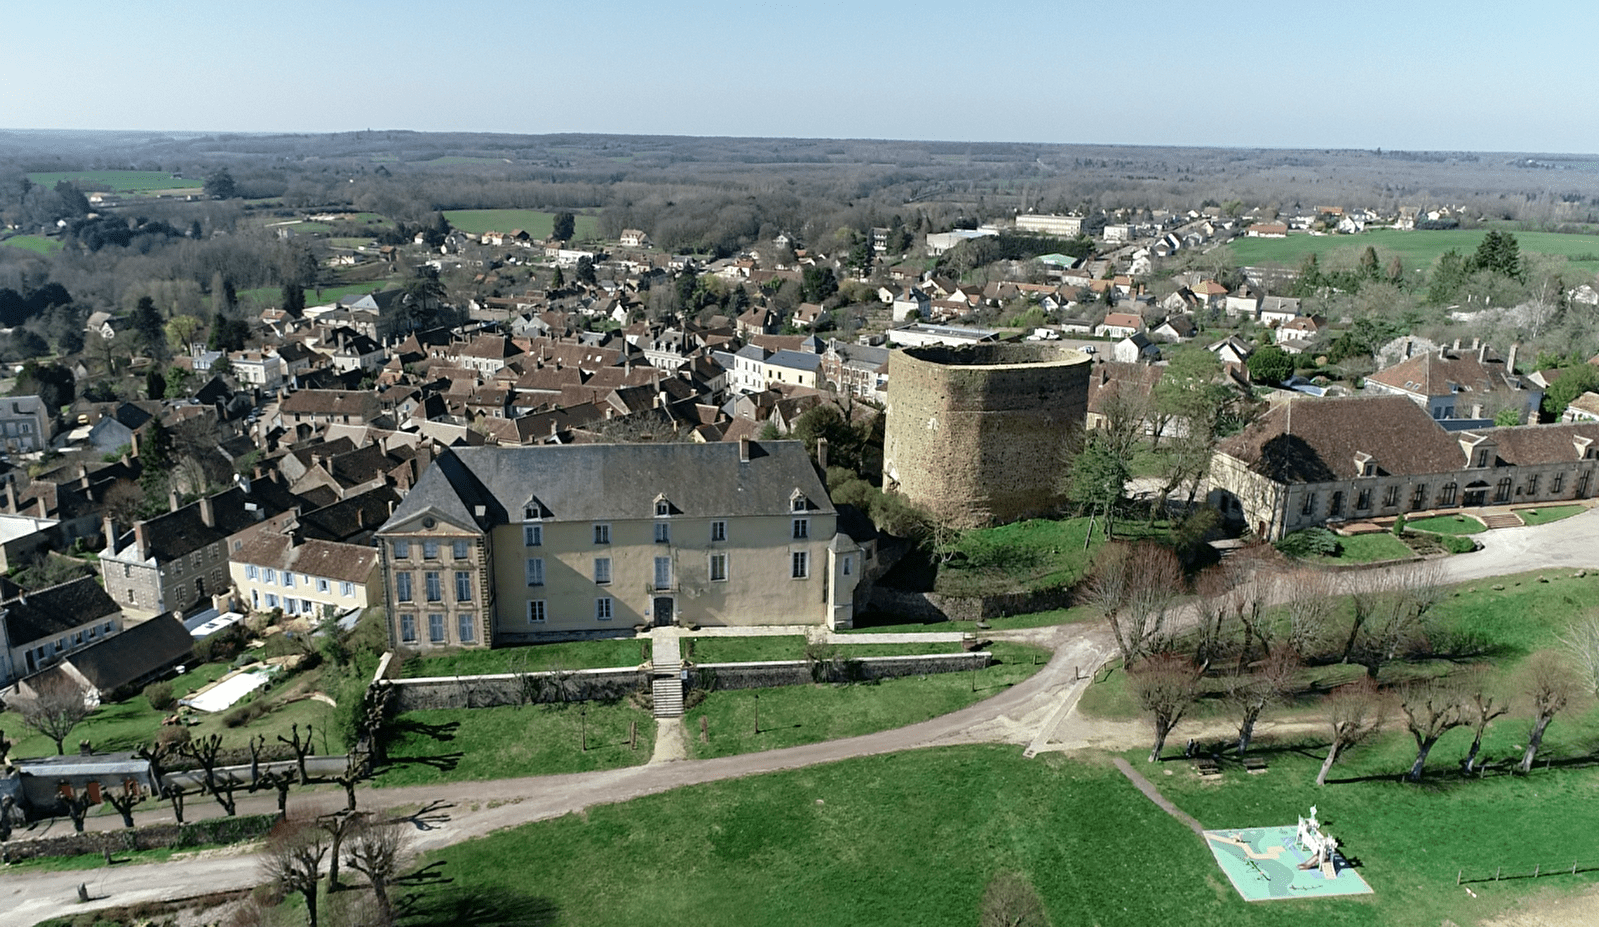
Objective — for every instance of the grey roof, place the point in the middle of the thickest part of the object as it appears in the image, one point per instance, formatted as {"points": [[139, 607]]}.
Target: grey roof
{"points": [[141, 649], [99, 764], [49, 612], [587, 482], [798, 360]]}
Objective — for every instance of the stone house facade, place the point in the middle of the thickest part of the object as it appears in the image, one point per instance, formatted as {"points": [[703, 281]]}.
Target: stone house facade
{"points": [[1313, 462], [506, 544]]}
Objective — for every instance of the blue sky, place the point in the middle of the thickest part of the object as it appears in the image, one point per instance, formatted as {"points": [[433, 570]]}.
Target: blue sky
{"points": [[1414, 74]]}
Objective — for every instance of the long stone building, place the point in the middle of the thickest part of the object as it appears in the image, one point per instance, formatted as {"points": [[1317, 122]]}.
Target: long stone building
{"points": [[984, 434], [507, 544], [1313, 462]]}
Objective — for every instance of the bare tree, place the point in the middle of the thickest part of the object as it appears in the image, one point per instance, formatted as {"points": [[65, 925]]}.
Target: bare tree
{"points": [[1482, 705], [5, 748], [1550, 686], [281, 782], [174, 793], [1011, 901], [293, 859], [7, 804], [380, 851], [124, 799], [1250, 693], [1581, 642], [1311, 603], [207, 752], [1165, 685], [301, 748], [56, 707], [1135, 586], [1432, 707], [1392, 612], [1354, 713], [338, 825], [1211, 606], [76, 805]]}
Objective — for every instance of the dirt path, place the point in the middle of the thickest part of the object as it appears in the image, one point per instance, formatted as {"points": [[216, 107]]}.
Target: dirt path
{"points": [[1038, 713], [1153, 794]]}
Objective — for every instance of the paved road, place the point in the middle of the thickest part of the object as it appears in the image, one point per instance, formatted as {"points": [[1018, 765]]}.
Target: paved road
{"points": [[1038, 713]]}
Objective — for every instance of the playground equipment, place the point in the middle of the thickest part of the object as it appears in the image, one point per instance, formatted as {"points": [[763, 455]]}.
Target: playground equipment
{"points": [[1322, 847]]}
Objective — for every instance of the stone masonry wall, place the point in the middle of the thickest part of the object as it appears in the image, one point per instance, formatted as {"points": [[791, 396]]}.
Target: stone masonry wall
{"points": [[930, 606], [982, 435]]}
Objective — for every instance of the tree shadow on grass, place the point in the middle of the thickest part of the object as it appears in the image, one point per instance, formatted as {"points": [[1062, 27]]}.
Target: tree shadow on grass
{"points": [[439, 901], [440, 732]]}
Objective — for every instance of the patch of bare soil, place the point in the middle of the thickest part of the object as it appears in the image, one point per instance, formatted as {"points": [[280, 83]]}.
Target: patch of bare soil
{"points": [[1574, 909]]}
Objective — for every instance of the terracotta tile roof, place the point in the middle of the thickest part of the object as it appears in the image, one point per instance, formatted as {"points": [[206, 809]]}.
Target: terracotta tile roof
{"points": [[1438, 374]]}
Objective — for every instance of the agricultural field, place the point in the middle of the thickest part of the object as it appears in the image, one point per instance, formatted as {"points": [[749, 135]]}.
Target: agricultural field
{"points": [[535, 223], [35, 243], [914, 838], [1417, 250], [265, 296], [119, 181]]}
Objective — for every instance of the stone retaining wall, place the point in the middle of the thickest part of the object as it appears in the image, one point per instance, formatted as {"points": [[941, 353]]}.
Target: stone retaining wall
{"points": [[858, 669], [932, 606], [151, 837]]}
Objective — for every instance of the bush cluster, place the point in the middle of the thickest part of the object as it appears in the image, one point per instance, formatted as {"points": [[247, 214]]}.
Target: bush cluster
{"points": [[159, 695], [1310, 542]]}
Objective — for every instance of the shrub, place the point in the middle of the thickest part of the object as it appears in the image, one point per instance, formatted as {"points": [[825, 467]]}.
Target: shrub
{"points": [[1399, 527], [1456, 544], [159, 695], [1310, 542]]}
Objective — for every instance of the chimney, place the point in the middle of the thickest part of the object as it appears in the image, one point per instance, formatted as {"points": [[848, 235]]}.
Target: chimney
{"points": [[11, 495], [109, 525], [1510, 361], [207, 515], [140, 549], [172, 500], [135, 443], [744, 450], [821, 453], [1482, 353], [1407, 348], [84, 749], [43, 511], [1476, 410], [360, 517], [1457, 344], [83, 471]]}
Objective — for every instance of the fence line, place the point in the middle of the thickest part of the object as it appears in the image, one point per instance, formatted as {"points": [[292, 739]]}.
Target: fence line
{"points": [[1538, 870]]}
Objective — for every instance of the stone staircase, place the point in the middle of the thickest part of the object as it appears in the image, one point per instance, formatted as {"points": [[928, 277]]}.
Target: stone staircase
{"points": [[668, 692], [1502, 520]]}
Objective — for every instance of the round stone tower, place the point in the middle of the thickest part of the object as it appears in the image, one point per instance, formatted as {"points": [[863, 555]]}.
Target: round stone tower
{"points": [[983, 434]]}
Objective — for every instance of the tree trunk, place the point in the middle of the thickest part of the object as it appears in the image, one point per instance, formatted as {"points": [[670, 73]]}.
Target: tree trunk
{"points": [[1534, 741], [380, 892], [1246, 731], [1162, 728], [1422, 749], [1327, 765], [333, 863], [310, 906], [1471, 755], [177, 803], [60, 750], [1349, 645]]}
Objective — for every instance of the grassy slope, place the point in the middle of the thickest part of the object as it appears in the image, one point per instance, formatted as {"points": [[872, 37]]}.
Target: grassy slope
{"points": [[1545, 514], [1027, 555], [534, 222], [1369, 548], [1415, 249], [793, 715], [913, 838], [35, 243], [1447, 524], [119, 181]]}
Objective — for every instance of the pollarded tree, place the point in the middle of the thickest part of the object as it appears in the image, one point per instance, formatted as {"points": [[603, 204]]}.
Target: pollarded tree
{"points": [[1251, 692], [1353, 713], [379, 851], [1432, 708], [1483, 704], [1581, 642], [293, 859], [1550, 685], [1135, 586], [1166, 686]]}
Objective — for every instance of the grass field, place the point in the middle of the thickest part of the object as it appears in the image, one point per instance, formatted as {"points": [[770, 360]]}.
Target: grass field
{"points": [[1369, 548], [1417, 250], [624, 651], [272, 296], [1545, 514], [793, 715], [120, 181], [913, 838], [35, 243], [1027, 555], [792, 647], [1447, 524], [510, 741], [535, 223]]}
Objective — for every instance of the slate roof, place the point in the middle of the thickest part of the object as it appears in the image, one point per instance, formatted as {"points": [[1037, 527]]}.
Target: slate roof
{"points": [[177, 534], [138, 651], [47, 613], [1437, 374], [795, 360], [352, 517], [1315, 441], [614, 481]]}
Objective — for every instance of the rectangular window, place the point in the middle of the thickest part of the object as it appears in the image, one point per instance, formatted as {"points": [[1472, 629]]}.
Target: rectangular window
{"points": [[252, 572], [1557, 483], [460, 550], [802, 528], [1532, 485], [663, 532], [1418, 498], [436, 629], [533, 535], [1310, 504], [463, 586], [435, 587], [1390, 497], [1582, 484], [602, 570], [718, 568], [464, 631], [535, 611], [718, 530], [408, 629], [177, 567], [271, 577], [430, 550], [1447, 497], [602, 534], [402, 587], [1335, 507], [849, 564], [535, 571], [1482, 458], [799, 564], [402, 551], [288, 579], [347, 590], [271, 600], [291, 605], [602, 608], [1502, 490], [321, 584], [663, 572]]}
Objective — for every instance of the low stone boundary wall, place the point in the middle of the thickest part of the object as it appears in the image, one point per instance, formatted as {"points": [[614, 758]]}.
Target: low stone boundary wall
{"points": [[446, 692], [151, 837], [933, 606], [431, 692]]}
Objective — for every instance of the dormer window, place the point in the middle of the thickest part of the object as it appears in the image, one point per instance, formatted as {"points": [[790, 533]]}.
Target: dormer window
{"points": [[534, 510], [662, 508], [1481, 459], [798, 503]]}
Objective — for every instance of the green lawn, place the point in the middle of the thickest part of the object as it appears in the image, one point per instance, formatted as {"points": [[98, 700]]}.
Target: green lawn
{"points": [[508, 741], [1417, 250], [598, 654], [272, 296], [119, 181], [792, 647], [535, 223], [1546, 514], [913, 838], [38, 244], [1369, 548], [884, 623], [1447, 524], [793, 715], [1028, 555]]}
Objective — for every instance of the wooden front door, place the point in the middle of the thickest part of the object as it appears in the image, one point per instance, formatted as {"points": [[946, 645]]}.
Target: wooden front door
{"points": [[662, 610]]}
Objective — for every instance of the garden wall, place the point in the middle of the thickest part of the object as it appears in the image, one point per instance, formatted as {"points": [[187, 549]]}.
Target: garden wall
{"points": [[932, 606], [151, 837], [859, 669]]}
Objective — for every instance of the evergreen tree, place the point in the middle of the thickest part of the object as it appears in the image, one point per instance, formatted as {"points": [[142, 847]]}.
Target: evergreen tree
{"points": [[1499, 253], [565, 226], [1448, 276], [220, 186], [293, 299], [151, 329]]}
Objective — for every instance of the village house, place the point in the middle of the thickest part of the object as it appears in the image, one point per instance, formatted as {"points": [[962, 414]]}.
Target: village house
{"points": [[273, 569], [1308, 462], [496, 544], [1452, 383], [24, 424], [1119, 325], [41, 628]]}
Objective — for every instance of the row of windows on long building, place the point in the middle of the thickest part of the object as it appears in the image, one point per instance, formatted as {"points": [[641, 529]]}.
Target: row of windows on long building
{"points": [[1449, 495]]}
